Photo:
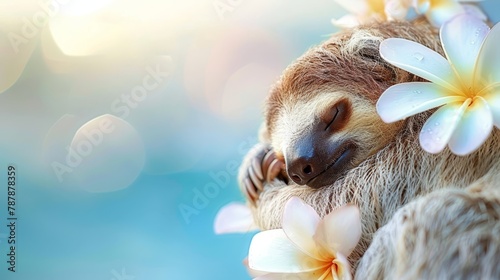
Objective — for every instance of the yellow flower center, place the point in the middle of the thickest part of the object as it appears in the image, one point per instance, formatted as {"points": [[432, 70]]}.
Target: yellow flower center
{"points": [[377, 6], [440, 2]]}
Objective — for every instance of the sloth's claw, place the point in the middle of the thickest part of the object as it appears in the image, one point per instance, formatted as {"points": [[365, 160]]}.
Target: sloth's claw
{"points": [[257, 168], [266, 163], [251, 191], [274, 169], [263, 167], [255, 180]]}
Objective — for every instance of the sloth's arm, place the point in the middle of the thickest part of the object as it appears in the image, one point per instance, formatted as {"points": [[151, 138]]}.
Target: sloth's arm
{"points": [[260, 168]]}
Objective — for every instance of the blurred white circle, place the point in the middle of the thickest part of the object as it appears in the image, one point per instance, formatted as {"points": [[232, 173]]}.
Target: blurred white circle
{"points": [[105, 155]]}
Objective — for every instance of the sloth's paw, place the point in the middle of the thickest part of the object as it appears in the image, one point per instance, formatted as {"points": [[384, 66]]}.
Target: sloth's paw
{"points": [[260, 166]]}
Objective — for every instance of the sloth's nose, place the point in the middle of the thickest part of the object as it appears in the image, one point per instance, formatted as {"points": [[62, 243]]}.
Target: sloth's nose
{"points": [[302, 163], [302, 169]]}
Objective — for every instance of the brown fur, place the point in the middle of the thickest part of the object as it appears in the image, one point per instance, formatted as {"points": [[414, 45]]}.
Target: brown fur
{"points": [[448, 234], [352, 65], [391, 168]]}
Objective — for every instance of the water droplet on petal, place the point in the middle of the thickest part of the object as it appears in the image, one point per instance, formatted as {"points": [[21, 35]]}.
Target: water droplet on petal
{"points": [[417, 92], [436, 124], [472, 42], [418, 56]]}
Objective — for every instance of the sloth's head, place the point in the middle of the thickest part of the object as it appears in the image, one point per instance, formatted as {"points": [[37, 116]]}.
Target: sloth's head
{"points": [[321, 116]]}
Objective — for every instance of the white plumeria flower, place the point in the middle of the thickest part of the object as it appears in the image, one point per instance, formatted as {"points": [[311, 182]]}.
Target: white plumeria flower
{"points": [[365, 11], [467, 84], [438, 12], [234, 218], [307, 247]]}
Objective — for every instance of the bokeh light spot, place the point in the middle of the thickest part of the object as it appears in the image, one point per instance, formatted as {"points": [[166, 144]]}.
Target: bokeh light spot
{"points": [[106, 154]]}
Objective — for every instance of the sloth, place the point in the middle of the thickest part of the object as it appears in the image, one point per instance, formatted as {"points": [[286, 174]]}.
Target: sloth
{"points": [[448, 234], [323, 141]]}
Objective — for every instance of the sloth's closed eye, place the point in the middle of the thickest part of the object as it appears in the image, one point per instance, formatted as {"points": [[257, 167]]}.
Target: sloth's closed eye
{"points": [[333, 119], [336, 117]]}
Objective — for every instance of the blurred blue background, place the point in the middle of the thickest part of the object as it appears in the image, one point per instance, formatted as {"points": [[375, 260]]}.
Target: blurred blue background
{"points": [[126, 121]]}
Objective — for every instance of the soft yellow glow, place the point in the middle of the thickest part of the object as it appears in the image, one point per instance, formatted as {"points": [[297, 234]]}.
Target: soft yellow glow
{"points": [[84, 7], [80, 36]]}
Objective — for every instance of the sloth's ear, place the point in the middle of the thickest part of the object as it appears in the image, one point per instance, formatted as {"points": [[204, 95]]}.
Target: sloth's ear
{"points": [[369, 54], [382, 72], [368, 47]]}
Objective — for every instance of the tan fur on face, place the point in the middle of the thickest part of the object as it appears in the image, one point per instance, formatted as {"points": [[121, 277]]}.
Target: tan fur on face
{"points": [[393, 169], [348, 61], [364, 126]]}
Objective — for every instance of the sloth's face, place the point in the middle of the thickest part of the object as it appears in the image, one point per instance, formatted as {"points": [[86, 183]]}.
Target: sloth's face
{"points": [[321, 116], [323, 138]]}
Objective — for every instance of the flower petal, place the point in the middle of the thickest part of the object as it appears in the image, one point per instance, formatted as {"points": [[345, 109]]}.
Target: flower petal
{"points": [[396, 9], [339, 231], [422, 6], [437, 130], [299, 224], [273, 276], [473, 129], [403, 100], [475, 11], [254, 273], [234, 218], [312, 275], [493, 99], [419, 60], [272, 251], [462, 38], [488, 61], [343, 267], [443, 12]]}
